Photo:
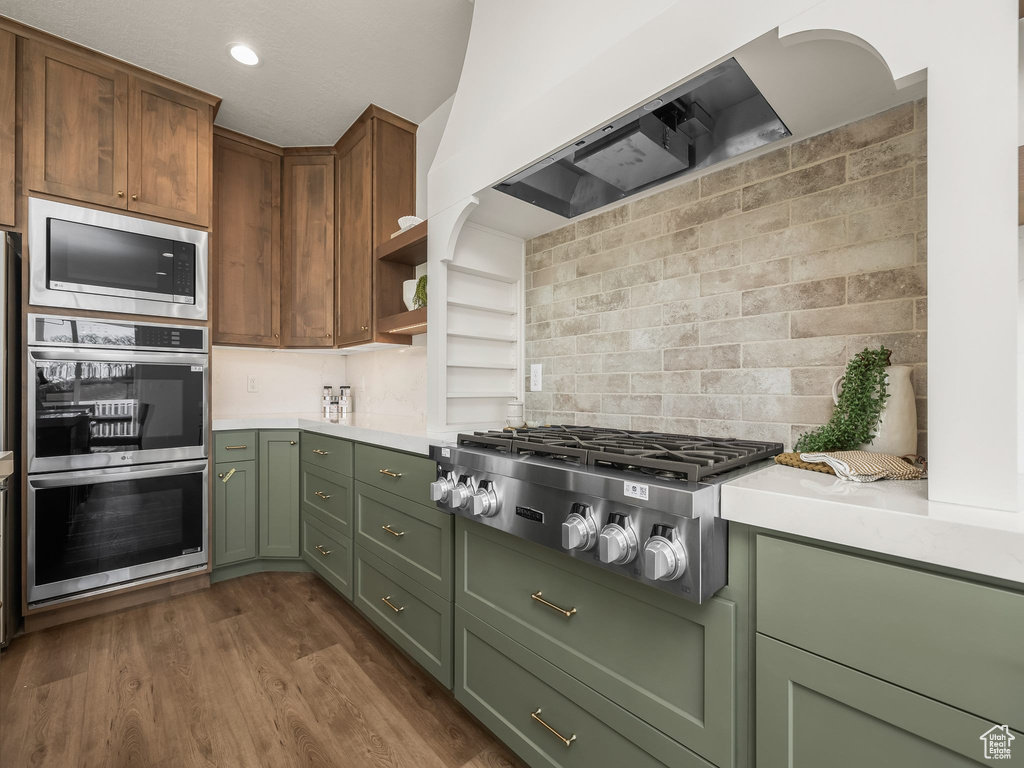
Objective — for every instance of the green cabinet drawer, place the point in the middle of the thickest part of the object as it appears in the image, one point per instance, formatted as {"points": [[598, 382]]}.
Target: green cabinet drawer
{"points": [[417, 620], [327, 494], [950, 639], [535, 708], [234, 512], [327, 453], [682, 681], [402, 473], [813, 712], [279, 493], [234, 446], [415, 539], [329, 555]]}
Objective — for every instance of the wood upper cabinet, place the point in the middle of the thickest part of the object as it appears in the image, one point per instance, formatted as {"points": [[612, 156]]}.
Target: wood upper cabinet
{"points": [[99, 134], [246, 244], [8, 125], [307, 279]]}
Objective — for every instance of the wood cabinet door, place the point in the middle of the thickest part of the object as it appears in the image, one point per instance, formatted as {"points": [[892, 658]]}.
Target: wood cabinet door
{"points": [[307, 274], [76, 126], [170, 139], [279, 494], [234, 512], [246, 245], [8, 125], [355, 239]]}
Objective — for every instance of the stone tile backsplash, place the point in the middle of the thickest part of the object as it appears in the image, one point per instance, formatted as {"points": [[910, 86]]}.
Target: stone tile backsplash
{"points": [[728, 304]]}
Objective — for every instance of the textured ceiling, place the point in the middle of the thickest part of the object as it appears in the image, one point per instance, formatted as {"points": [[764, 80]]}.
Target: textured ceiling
{"points": [[321, 61]]}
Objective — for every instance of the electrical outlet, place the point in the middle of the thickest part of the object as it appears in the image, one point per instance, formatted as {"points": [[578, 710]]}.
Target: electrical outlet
{"points": [[251, 385], [535, 377]]}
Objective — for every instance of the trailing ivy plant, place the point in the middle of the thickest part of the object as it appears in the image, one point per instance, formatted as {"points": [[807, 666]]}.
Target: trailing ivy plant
{"points": [[855, 419], [419, 298]]}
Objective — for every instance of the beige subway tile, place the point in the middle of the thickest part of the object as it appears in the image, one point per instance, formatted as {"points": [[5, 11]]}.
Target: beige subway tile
{"points": [[703, 211], [787, 409], [576, 402], [745, 430], [809, 238], [576, 249], [922, 414], [921, 314], [921, 245], [602, 302], [667, 382], [759, 328], [814, 381], [627, 319], [746, 277], [535, 261], [579, 286], [636, 274], [607, 420], [535, 331], [666, 290], [921, 114], [861, 257], [919, 379], [878, 317], [793, 353], [662, 424], [681, 194], [703, 406], [555, 311], [908, 149], [769, 164], [576, 326], [551, 347], [870, 130], [631, 232], [767, 219], [746, 381], [553, 238], [557, 274], [587, 363], [665, 337], [537, 401], [856, 196], [907, 348], [601, 261], [921, 180], [602, 221], [613, 341], [809, 295], [631, 362], [876, 223], [634, 405], [717, 307], [702, 358], [538, 296], [564, 417], [704, 260], [805, 181], [798, 430], [602, 382], [659, 247], [560, 382], [888, 284]]}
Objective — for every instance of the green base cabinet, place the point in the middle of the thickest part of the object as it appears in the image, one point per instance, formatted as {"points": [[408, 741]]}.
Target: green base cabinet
{"points": [[328, 553], [234, 512], [813, 712], [279, 494]]}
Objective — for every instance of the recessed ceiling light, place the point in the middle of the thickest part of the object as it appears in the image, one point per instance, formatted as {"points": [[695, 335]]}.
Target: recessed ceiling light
{"points": [[243, 54]]}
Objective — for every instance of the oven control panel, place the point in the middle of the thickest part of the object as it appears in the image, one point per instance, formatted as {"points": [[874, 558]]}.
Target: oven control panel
{"points": [[87, 332]]}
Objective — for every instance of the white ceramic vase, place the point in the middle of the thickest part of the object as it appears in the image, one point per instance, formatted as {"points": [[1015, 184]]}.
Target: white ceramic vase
{"points": [[408, 291], [897, 426]]}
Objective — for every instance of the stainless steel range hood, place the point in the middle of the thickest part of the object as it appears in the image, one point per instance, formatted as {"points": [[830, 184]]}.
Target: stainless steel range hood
{"points": [[715, 116]]}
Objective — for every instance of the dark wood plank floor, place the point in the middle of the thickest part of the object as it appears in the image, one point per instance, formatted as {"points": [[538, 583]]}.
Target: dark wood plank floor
{"points": [[271, 670]]}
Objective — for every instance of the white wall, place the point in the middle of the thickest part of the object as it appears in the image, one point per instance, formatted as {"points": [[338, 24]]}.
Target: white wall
{"points": [[428, 138], [289, 382], [391, 381]]}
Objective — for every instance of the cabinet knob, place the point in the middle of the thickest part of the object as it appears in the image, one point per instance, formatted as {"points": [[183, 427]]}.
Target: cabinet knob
{"points": [[327, 335], [277, 335], [135, 197], [120, 193], [364, 328]]}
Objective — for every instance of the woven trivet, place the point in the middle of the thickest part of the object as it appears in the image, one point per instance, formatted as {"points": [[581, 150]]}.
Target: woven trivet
{"points": [[793, 460]]}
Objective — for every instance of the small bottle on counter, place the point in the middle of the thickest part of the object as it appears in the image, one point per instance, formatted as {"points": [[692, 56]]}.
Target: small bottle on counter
{"points": [[325, 402], [345, 402], [332, 411]]}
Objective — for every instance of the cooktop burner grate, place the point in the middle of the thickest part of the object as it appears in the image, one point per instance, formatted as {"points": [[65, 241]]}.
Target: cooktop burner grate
{"points": [[663, 455]]}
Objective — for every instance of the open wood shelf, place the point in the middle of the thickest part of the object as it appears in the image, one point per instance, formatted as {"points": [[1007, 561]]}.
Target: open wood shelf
{"points": [[409, 248], [404, 323]]}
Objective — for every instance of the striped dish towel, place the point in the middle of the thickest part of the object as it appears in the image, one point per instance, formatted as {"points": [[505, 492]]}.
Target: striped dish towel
{"points": [[865, 467]]}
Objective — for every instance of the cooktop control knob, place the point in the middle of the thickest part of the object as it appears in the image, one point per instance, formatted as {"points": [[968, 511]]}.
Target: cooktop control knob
{"points": [[441, 488], [484, 501], [664, 559], [579, 531], [460, 493], [617, 545]]}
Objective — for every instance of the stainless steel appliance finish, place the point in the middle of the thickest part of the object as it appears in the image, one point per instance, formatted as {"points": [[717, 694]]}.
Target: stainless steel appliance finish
{"points": [[83, 258], [10, 434], [717, 115], [644, 505], [90, 531], [112, 392]]}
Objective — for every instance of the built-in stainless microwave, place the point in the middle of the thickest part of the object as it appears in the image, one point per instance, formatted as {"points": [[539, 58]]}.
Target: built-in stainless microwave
{"points": [[83, 258]]}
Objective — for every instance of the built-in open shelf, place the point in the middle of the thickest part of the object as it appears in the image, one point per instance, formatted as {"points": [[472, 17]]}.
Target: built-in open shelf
{"points": [[404, 323], [408, 248], [463, 395], [482, 336], [481, 307]]}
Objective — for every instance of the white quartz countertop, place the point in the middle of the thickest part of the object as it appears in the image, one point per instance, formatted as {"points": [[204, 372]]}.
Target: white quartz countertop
{"points": [[6, 464], [889, 516], [399, 432]]}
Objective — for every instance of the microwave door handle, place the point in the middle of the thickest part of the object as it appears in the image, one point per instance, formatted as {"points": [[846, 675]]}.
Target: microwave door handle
{"points": [[94, 476]]}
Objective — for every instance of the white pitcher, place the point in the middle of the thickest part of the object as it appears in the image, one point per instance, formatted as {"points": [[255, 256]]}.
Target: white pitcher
{"points": [[897, 426]]}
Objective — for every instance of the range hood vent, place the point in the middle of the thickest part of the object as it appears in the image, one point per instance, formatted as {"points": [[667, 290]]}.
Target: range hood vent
{"points": [[717, 115]]}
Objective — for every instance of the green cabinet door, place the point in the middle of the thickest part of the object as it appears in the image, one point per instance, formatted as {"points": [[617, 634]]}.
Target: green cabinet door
{"points": [[279, 493], [234, 512], [813, 712]]}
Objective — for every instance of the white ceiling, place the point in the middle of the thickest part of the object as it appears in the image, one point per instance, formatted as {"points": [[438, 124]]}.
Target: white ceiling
{"points": [[322, 61]]}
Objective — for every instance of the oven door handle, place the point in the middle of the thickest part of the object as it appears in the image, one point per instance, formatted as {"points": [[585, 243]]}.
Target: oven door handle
{"points": [[114, 474], [77, 355]]}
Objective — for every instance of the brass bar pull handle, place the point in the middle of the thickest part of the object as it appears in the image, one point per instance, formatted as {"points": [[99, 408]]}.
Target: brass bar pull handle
{"points": [[537, 596], [224, 478], [568, 742], [392, 606], [389, 529], [389, 473], [318, 452], [322, 551], [322, 495], [235, 447]]}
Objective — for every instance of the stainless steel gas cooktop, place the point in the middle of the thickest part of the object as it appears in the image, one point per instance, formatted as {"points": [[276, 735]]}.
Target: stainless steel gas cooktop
{"points": [[642, 504]]}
